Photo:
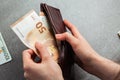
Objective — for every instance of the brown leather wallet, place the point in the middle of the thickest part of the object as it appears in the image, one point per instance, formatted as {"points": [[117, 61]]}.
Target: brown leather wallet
{"points": [[66, 54]]}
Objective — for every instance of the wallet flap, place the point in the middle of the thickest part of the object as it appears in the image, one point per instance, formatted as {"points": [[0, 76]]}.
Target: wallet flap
{"points": [[55, 18]]}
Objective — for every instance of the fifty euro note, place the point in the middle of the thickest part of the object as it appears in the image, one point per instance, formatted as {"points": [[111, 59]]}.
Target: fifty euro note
{"points": [[4, 53], [31, 28]]}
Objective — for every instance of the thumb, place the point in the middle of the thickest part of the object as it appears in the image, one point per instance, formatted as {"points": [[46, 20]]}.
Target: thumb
{"points": [[42, 51], [68, 37]]}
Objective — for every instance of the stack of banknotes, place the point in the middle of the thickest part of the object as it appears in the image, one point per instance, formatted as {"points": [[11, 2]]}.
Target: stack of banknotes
{"points": [[4, 53], [33, 28]]}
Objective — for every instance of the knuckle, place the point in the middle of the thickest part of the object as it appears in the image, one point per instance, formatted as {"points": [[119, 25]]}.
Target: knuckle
{"points": [[26, 68], [66, 35], [76, 44], [24, 51]]}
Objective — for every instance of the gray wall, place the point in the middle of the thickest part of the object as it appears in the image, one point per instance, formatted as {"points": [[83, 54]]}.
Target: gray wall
{"points": [[97, 20]]}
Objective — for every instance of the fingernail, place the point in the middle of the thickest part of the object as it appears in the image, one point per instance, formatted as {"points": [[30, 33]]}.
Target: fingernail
{"points": [[37, 42]]}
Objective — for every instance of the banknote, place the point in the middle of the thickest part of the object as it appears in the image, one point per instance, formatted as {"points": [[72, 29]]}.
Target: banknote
{"points": [[4, 53], [31, 28]]}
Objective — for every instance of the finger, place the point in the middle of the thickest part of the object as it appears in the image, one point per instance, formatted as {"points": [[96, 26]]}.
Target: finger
{"points": [[72, 28], [33, 55], [27, 57], [68, 37], [26, 75], [42, 51]]}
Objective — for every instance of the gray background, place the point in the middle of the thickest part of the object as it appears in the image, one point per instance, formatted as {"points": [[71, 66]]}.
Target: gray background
{"points": [[97, 20]]}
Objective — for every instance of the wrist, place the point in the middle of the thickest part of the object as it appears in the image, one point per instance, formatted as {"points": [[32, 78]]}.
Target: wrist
{"points": [[91, 58], [103, 68]]}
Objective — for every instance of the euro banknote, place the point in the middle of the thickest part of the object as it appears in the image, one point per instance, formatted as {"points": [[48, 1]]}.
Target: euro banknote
{"points": [[32, 28], [4, 53]]}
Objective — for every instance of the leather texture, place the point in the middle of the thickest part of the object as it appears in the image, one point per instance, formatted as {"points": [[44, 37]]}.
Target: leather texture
{"points": [[66, 54]]}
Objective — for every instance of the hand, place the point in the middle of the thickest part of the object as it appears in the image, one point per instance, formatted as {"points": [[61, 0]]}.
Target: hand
{"points": [[91, 61], [80, 46], [47, 69]]}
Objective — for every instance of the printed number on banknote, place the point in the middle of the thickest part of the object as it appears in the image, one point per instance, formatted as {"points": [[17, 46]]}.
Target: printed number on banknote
{"points": [[4, 53]]}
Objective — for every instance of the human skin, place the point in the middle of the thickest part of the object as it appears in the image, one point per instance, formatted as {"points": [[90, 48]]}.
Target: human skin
{"points": [[87, 58], [91, 61], [47, 69]]}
